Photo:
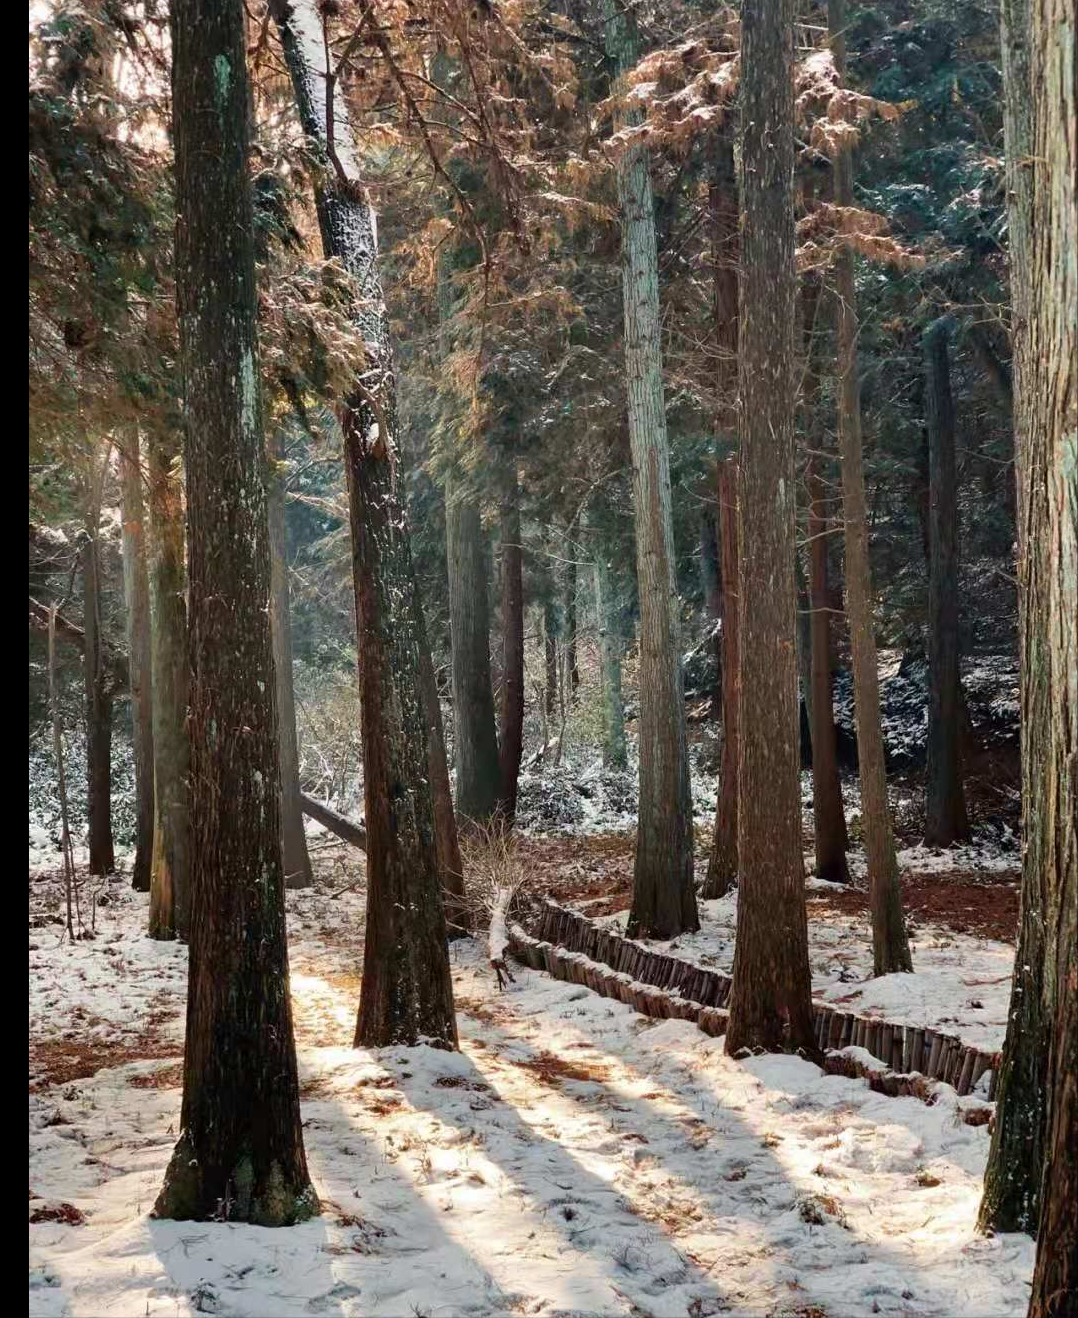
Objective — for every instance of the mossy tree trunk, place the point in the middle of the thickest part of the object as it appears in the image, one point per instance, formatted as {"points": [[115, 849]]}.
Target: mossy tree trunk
{"points": [[1032, 1175], [240, 1151]]}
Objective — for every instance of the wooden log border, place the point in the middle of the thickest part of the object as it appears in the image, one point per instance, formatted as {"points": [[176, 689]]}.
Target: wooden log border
{"points": [[569, 946]]}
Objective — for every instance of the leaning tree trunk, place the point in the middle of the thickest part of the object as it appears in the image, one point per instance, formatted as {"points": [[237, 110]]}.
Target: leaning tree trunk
{"points": [[170, 876], [615, 753], [770, 1002], [1035, 1113], [664, 898], [946, 821], [890, 947], [98, 693], [240, 1151], [137, 598], [475, 739], [511, 735], [722, 861], [407, 993], [297, 863]]}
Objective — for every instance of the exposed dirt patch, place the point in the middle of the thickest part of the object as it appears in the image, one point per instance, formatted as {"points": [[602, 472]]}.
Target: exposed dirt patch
{"points": [[68, 1214], [551, 1069], [164, 1077], [967, 903], [63, 1061]]}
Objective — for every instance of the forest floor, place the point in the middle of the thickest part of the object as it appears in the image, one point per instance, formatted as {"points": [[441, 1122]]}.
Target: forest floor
{"points": [[574, 1158]]}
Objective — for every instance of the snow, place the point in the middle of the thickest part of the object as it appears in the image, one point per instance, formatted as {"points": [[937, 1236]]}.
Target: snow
{"points": [[573, 1158], [961, 983]]}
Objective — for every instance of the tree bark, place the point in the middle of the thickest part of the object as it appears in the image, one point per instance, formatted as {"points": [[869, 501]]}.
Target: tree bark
{"points": [[550, 657], [170, 876], [407, 993], [946, 821], [476, 741], [511, 735], [722, 861], [240, 1151], [571, 667], [770, 1002], [829, 818], [337, 824], [711, 583], [664, 896], [1031, 1178], [137, 598], [98, 692], [297, 863], [890, 947], [615, 753]]}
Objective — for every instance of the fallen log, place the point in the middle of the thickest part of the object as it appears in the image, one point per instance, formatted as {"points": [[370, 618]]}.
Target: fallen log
{"points": [[340, 825]]}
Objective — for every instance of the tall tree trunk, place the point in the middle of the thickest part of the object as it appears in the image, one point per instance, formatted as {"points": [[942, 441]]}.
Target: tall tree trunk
{"points": [[170, 877], [946, 821], [711, 583], [664, 898], [608, 613], [572, 669], [722, 861], [770, 1002], [511, 735], [297, 863], [407, 993], [137, 597], [240, 1151], [98, 687], [550, 657], [829, 818], [476, 741], [447, 841], [890, 947], [1034, 1133]]}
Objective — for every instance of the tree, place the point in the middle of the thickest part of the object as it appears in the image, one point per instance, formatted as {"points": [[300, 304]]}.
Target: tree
{"points": [[664, 898], [1031, 1177], [97, 680], [170, 875], [946, 821], [890, 947], [476, 741], [511, 733], [770, 1002], [407, 992], [722, 860], [137, 600], [297, 863], [829, 820], [611, 644], [240, 1151]]}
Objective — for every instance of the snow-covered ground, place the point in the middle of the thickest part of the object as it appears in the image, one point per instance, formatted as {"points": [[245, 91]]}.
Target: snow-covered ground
{"points": [[573, 1158], [962, 984]]}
